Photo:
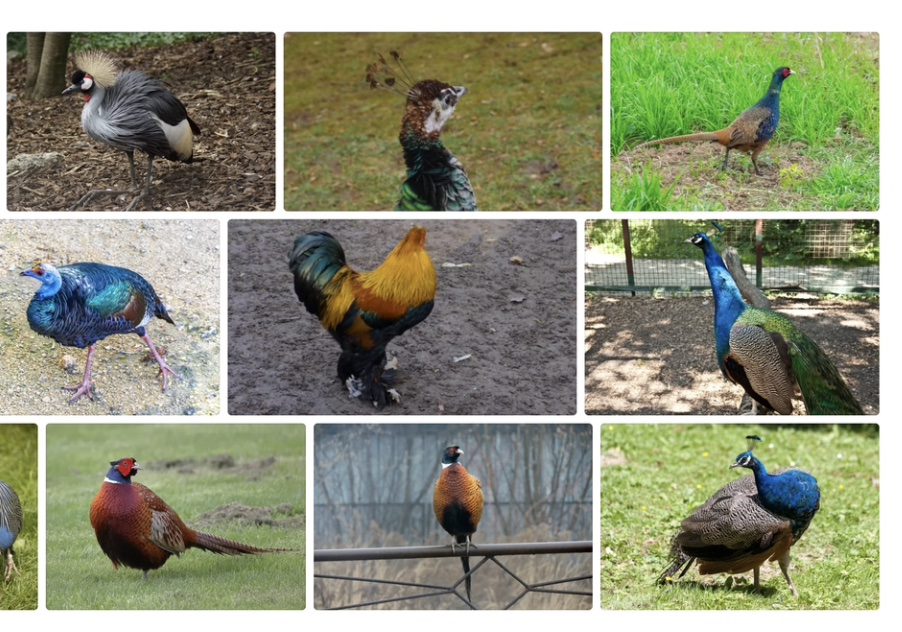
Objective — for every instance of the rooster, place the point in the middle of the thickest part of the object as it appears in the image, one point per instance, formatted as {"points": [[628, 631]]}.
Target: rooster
{"points": [[364, 310]]}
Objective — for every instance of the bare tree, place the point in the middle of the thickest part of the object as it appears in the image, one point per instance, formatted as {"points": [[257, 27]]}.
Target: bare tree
{"points": [[46, 74]]}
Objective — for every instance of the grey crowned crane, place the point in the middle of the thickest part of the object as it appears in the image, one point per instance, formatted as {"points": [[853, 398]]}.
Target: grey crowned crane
{"points": [[130, 111]]}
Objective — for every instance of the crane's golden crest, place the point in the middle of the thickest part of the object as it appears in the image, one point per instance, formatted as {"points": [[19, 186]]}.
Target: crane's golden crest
{"points": [[102, 67]]}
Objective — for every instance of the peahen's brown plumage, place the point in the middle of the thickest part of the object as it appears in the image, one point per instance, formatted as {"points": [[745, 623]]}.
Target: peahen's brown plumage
{"points": [[458, 503], [137, 529]]}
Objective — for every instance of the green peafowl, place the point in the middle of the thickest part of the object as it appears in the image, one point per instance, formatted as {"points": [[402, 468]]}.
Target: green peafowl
{"points": [[745, 524], [766, 354], [436, 181]]}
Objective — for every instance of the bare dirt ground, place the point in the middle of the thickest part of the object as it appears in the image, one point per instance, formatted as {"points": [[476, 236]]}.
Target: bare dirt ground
{"points": [[516, 322], [227, 83], [181, 261], [656, 356], [694, 169]]}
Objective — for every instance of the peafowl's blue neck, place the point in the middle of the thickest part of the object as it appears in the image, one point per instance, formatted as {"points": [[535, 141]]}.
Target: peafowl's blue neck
{"points": [[792, 494], [728, 302]]}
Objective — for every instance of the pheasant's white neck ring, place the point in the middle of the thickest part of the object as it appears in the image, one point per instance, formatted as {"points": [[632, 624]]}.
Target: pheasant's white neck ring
{"points": [[107, 479], [447, 465]]}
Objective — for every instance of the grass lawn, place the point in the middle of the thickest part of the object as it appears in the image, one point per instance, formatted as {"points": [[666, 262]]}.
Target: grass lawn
{"points": [[239, 482], [825, 155], [654, 476], [528, 133], [19, 470]]}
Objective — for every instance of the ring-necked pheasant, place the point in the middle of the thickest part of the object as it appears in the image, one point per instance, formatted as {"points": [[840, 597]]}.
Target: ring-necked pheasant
{"points": [[436, 181], [766, 354], [135, 528], [748, 522], [10, 526], [458, 503], [749, 133], [130, 111], [79, 305], [364, 311]]}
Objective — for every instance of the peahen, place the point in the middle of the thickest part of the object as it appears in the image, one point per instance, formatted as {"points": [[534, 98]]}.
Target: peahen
{"points": [[10, 526], [79, 305], [436, 181], [745, 524], [766, 354]]}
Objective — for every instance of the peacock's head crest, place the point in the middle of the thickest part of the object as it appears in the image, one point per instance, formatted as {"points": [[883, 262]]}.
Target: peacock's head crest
{"points": [[747, 459], [429, 103]]}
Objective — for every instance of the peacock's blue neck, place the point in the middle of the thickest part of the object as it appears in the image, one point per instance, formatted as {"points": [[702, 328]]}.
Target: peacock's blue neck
{"points": [[728, 302]]}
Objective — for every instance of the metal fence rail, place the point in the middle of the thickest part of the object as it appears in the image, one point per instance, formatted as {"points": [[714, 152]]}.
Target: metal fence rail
{"points": [[488, 552]]}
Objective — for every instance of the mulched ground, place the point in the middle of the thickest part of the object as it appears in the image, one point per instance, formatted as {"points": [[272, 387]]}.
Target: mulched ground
{"points": [[227, 84], [656, 356], [510, 325]]}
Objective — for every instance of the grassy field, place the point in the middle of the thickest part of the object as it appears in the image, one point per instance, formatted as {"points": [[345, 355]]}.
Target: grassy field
{"points": [[240, 482], [654, 476], [19, 470], [528, 132], [826, 152]]}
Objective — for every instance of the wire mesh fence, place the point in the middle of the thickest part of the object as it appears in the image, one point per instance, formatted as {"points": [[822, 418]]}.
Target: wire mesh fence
{"points": [[653, 256]]}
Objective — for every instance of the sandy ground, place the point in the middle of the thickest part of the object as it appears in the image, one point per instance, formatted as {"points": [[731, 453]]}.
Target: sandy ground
{"points": [[517, 323], [656, 356], [227, 84], [179, 258]]}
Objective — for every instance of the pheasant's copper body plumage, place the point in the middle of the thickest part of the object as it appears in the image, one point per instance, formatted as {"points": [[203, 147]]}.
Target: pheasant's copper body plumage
{"points": [[458, 502], [137, 529]]}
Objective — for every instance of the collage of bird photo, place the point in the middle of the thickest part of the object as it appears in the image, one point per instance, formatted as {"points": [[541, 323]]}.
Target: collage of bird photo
{"points": [[234, 319]]}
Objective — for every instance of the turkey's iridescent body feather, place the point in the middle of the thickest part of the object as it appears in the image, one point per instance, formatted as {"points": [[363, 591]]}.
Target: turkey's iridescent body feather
{"points": [[95, 301], [364, 311], [767, 354]]}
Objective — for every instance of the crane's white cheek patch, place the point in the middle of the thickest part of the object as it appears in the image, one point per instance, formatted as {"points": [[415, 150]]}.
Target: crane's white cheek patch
{"points": [[87, 83], [179, 137]]}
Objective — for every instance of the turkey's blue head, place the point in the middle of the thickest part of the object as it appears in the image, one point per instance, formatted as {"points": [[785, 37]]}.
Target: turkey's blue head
{"points": [[451, 455], [49, 277], [121, 471]]}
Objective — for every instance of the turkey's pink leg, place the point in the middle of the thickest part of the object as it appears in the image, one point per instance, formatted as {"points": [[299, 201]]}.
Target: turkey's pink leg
{"points": [[165, 371], [87, 383]]}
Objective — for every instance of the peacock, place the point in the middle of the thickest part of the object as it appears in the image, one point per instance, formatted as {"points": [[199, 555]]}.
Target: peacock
{"points": [[80, 304], [766, 354], [10, 526], [436, 180], [748, 522]]}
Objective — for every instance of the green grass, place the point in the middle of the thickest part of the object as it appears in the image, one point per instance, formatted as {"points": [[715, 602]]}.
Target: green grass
{"points": [[654, 476], [670, 84], [19, 470], [528, 133], [80, 576]]}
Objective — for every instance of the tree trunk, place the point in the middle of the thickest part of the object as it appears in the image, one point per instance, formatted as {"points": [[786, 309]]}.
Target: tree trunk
{"points": [[52, 75], [34, 47]]}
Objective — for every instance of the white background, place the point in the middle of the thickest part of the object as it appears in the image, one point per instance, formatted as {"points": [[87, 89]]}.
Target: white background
{"points": [[526, 15]]}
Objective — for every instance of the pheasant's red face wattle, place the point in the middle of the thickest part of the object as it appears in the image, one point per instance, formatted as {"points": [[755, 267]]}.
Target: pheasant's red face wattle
{"points": [[127, 467]]}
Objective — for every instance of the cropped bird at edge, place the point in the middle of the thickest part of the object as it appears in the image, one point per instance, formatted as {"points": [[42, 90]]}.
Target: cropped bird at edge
{"points": [[364, 310], [10, 526], [750, 133], [750, 521], [131, 111], [766, 354], [137, 529], [79, 305], [436, 180], [458, 503]]}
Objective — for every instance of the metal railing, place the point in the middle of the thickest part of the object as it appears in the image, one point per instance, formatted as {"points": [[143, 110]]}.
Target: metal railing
{"points": [[488, 552]]}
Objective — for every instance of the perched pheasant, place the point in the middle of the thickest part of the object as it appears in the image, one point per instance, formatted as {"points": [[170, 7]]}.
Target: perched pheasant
{"points": [[436, 181], [364, 310], [458, 504], [130, 111], [135, 528], [79, 305], [766, 354], [749, 133], [10, 526], [748, 522]]}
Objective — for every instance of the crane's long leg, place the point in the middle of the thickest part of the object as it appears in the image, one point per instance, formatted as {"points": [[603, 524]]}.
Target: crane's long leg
{"points": [[165, 371], [86, 388], [131, 166], [145, 192]]}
